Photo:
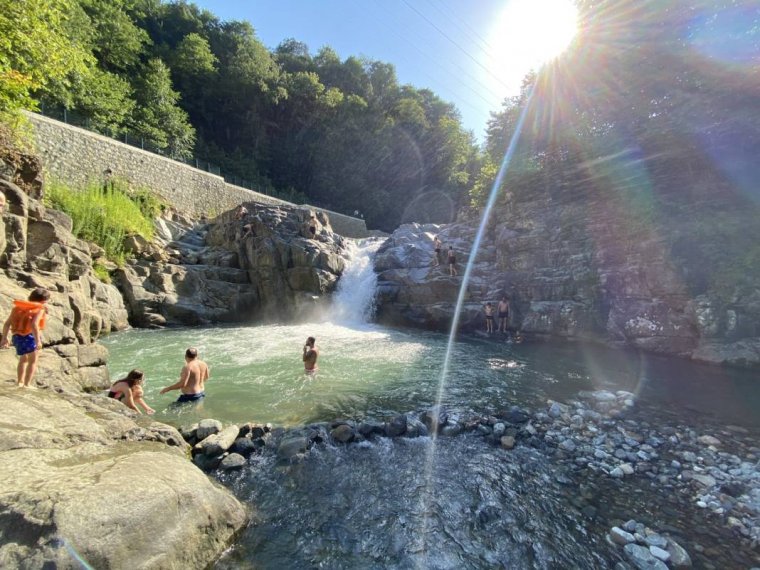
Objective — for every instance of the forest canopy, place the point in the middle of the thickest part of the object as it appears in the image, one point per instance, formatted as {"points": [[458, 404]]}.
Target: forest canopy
{"points": [[643, 82]]}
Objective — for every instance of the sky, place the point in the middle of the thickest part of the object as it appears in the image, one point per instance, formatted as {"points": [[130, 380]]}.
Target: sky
{"points": [[472, 53]]}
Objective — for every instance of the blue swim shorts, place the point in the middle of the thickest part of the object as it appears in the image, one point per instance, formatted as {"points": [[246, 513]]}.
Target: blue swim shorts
{"points": [[191, 397], [24, 343]]}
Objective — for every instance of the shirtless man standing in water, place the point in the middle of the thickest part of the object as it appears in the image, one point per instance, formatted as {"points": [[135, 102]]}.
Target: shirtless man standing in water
{"points": [[192, 378], [310, 354]]}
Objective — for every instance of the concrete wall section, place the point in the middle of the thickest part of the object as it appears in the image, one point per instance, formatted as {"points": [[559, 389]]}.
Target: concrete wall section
{"points": [[76, 155]]}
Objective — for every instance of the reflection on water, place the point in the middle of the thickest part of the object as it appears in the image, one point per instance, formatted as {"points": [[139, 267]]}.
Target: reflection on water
{"points": [[367, 370]]}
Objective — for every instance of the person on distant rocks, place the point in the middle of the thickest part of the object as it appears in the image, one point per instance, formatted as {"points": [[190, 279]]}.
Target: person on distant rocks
{"points": [[503, 310], [192, 379], [437, 245], [313, 226], [129, 391], [452, 259], [310, 355], [488, 309], [25, 323], [240, 212]]}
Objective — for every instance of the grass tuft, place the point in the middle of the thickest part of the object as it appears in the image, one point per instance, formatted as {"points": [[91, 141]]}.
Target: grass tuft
{"points": [[106, 215]]}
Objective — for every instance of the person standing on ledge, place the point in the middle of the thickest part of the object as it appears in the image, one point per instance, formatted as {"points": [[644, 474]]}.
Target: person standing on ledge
{"points": [[310, 355], [192, 378], [25, 323], [503, 310], [452, 258], [437, 248], [488, 309]]}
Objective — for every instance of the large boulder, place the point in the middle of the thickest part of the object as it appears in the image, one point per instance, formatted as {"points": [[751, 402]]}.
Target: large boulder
{"points": [[81, 475]]}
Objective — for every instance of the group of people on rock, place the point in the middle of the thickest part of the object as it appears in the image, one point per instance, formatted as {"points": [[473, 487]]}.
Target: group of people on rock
{"points": [[502, 312], [451, 257]]}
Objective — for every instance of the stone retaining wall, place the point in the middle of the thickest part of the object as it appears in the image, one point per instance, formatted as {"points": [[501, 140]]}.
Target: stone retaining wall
{"points": [[75, 155]]}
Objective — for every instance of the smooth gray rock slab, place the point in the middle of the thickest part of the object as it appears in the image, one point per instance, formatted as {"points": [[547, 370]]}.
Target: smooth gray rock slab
{"points": [[232, 461], [207, 428], [642, 559], [219, 442], [619, 536]]}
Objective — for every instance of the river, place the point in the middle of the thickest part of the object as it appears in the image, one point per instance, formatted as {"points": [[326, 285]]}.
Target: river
{"points": [[378, 504]]}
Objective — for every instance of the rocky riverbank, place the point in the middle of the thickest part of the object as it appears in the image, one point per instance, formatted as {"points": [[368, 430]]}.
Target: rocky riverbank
{"points": [[599, 438], [563, 284], [83, 477]]}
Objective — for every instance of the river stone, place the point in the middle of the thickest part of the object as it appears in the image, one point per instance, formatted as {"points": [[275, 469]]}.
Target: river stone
{"points": [[256, 431], [244, 446], [708, 440], [415, 428], [189, 433], [630, 526], [655, 539], [451, 429], [642, 559], [232, 461], [704, 480], [555, 410], [499, 429], [433, 418], [626, 468], [507, 442], [218, 443], [292, 446], [343, 433], [567, 445], [619, 536], [679, 558], [369, 428], [604, 396], [516, 415], [207, 428], [396, 427], [659, 553], [617, 473]]}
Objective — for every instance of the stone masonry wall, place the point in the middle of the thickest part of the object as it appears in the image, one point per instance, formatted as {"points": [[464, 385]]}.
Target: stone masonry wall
{"points": [[75, 155]]}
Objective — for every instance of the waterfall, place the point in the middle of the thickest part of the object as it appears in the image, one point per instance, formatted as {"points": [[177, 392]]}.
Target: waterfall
{"points": [[354, 301]]}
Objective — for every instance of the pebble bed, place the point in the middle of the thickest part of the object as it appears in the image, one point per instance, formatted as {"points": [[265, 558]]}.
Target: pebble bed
{"points": [[592, 435]]}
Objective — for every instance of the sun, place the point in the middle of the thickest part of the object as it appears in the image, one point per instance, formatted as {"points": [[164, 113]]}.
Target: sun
{"points": [[527, 34]]}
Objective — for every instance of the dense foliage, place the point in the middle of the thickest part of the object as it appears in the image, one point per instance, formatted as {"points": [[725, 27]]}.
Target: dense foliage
{"points": [[340, 133]]}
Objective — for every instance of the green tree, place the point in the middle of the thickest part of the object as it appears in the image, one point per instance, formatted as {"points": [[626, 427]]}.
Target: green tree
{"points": [[36, 49], [157, 116]]}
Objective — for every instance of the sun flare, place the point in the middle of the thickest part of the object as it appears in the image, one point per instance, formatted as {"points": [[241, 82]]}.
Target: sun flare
{"points": [[527, 34]]}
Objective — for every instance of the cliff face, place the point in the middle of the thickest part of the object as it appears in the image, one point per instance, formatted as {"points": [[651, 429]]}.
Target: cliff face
{"points": [[232, 269], [670, 273]]}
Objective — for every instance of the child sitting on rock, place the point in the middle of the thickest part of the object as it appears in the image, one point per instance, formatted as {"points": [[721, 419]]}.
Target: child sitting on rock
{"points": [[25, 323]]}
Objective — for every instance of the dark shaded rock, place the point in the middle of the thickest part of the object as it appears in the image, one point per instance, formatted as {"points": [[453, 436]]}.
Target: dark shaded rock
{"points": [[292, 446], [434, 418], [244, 446], [343, 433], [396, 427]]}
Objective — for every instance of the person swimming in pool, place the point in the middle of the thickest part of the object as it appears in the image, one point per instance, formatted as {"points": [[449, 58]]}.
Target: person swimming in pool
{"points": [[310, 355], [192, 379]]}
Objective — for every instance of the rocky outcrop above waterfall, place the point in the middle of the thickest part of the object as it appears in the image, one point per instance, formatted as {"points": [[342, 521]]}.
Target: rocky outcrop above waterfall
{"points": [[575, 268], [83, 476], [233, 268]]}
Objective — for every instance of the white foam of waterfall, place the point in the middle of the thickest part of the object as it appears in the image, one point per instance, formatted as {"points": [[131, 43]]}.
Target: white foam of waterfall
{"points": [[354, 301]]}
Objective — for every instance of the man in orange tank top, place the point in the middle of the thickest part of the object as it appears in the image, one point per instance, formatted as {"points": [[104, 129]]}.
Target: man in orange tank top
{"points": [[26, 321]]}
